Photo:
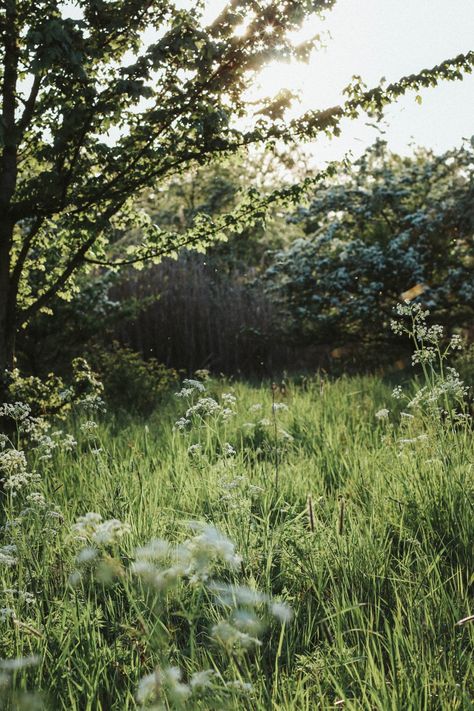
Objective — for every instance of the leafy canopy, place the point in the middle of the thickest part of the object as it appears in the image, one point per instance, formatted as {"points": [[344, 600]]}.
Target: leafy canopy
{"points": [[102, 98]]}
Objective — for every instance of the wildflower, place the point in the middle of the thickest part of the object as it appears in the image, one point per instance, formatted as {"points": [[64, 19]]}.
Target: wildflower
{"points": [[232, 638], [198, 554], [397, 392], [194, 450], [36, 499], [382, 414], [247, 621], [13, 464], [89, 427], [7, 556], [156, 549], [239, 685], [17, 411], [87, 555], [162, 681], [68, 443], [91, 528], [235, 595], [19, 663], [190, 387], [256, 408], [202, 374], [205, 407], [110, 532], [201, 679], [7, 613], [279, 406], [228, 399], [228, 450], [182, 424], [227, 413], [456, 342], [282, 612], [23, 595]]}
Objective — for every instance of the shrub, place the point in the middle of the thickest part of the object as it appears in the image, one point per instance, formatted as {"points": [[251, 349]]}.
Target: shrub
{"points": [[130, 382]]}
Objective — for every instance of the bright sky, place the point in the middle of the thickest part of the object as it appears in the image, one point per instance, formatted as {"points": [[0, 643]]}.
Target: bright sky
{"points": [[390, 38], [375, 38]]}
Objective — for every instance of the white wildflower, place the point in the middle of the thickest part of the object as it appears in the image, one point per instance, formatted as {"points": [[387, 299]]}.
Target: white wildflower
{"points": [[239, 685], [282, 612], [194, 450], [182, 424], [228, 450], [228, 399], [89, 427], [17, 411], [19, 663], [7, 613], [87, 555], [190, 387], [279, 406], [232, 638], [7, 555], [456, 342], [91, 528], [382, 414], [205, 407], [201, 679], [161, 682]]}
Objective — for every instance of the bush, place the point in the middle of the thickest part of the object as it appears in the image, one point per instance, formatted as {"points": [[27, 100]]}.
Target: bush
{"points": [[391, 228], [130, 382]]}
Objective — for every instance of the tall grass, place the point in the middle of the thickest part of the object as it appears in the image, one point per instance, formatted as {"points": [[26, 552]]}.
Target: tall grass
{"points": [[375, 599]]}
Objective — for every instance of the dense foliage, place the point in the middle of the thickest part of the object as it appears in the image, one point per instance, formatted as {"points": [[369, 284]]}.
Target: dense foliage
{"points": [[388, 228], [102, 99]]}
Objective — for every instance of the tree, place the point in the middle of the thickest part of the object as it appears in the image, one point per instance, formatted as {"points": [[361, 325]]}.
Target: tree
{"points": [[393, 227], [92, 111]]}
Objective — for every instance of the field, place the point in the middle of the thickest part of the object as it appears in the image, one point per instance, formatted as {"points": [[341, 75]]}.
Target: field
{"points": [[355, 525]]}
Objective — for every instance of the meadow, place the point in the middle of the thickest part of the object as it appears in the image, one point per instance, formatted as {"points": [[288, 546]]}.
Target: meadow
{"points": [[277, 546]]}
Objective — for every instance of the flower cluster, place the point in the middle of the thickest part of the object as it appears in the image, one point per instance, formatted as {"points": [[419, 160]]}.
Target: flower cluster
{"points": [[14, 468], [8, 555], [167, 683], [163, 565], [190, 388], [205, 407], [91, 528]]}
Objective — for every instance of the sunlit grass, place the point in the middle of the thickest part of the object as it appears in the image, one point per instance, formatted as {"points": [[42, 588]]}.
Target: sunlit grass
{"points": [[376, 588]]}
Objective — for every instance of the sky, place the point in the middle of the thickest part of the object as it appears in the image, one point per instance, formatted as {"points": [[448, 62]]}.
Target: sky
{"points": [[378, 38], [389, 38]]}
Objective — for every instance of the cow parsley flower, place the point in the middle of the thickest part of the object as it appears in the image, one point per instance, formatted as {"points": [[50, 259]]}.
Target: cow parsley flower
{"points": [[89, 427], [7, 555], [279, 406], [190, 387], [91, 528]]}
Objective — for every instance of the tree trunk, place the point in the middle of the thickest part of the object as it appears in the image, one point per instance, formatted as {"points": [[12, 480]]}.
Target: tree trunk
{"points": [[7, 304]]}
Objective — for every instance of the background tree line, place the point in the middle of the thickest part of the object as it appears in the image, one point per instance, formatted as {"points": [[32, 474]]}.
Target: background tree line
{"points": [[306, 288]]}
